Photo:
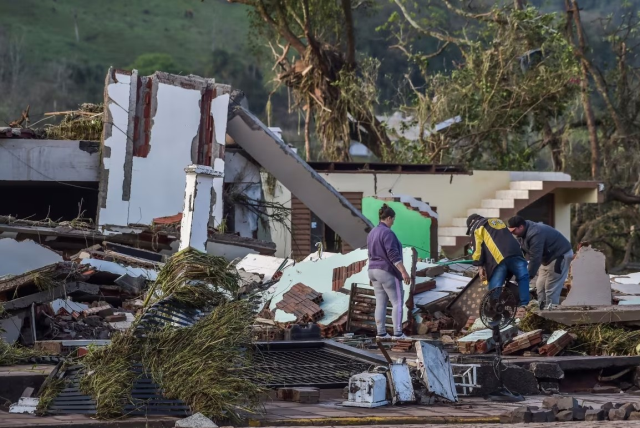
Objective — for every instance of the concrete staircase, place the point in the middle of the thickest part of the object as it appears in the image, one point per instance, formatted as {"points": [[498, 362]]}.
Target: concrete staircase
{"points": [[524, 189]]}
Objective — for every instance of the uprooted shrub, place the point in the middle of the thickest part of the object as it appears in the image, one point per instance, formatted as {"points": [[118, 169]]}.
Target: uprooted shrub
{"points": [[203, 365]]}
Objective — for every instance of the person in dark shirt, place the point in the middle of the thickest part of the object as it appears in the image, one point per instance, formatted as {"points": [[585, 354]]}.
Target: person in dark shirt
{"points": [[498, 254], [550, 256], [386, 272]]}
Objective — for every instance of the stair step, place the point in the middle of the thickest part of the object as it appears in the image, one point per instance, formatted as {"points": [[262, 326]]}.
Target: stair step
{"points": [[526, 185], [512, 194], [452, 231], [485, 212], [497, 203], [447, 241], [459, 222], [539, 175]]}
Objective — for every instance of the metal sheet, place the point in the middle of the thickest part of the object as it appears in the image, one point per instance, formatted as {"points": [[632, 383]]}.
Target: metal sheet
{"points": [[436, 372], [401, 385]]}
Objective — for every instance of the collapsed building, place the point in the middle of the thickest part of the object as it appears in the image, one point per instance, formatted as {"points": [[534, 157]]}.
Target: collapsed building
{"points": [[183, 164], [130, 187]]}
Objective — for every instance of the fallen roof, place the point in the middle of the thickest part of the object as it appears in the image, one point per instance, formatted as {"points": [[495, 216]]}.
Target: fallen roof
{"points": [[389, 168], [297, 176]]}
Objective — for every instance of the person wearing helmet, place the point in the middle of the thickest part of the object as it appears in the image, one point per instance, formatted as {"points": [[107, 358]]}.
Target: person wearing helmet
{"points": [[498, 254]]}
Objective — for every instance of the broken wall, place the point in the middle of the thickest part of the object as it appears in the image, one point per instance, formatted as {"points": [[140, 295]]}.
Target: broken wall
{"points": [[154, 128]]}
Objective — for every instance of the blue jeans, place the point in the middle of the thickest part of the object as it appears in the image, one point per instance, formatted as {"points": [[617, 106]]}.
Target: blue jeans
{"points": [[512, 266]]}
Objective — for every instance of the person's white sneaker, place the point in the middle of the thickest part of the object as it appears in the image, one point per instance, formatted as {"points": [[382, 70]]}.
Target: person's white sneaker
{"points": [[385, 336], [401, 337]]}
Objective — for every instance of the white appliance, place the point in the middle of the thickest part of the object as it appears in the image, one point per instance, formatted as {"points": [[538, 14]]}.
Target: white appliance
{"points": [[367, 390]]}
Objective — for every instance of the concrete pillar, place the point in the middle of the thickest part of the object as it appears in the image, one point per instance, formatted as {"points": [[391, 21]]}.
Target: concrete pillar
{"points": [[200, 200]]}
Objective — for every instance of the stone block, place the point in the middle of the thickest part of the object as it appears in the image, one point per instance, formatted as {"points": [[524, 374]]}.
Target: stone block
{"points": [[562, 403], [519, 415], [542, 416], [306, 395], [634, 416], [196, 421], [594, 415], [579, 413], [549, 387], [618, 414], [564, 416], [608, 406], [628, 408], [547, 371]]}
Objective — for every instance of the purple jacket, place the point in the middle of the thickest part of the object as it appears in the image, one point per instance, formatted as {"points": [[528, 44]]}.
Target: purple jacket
{"points": [[384, 249]]}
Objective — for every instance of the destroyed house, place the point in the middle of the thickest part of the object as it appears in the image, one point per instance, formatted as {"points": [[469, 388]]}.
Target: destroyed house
{"points": [[432, 203], [129, 187]]}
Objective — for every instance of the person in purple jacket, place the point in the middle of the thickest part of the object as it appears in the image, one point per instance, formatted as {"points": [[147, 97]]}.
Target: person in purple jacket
{"points": [[386, 272]]}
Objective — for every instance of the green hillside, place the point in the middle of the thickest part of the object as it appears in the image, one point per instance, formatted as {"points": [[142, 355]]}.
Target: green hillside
{"points": [[116, 32]]}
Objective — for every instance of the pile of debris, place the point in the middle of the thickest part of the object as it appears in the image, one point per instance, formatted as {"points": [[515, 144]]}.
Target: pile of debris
{"points": [[48, 302]]}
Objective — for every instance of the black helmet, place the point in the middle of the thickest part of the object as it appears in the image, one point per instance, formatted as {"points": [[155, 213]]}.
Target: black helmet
{"points": [[472, 220]]}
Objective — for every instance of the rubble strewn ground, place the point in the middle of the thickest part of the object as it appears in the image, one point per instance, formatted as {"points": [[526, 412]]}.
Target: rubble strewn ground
{"points": [[109, 298]]}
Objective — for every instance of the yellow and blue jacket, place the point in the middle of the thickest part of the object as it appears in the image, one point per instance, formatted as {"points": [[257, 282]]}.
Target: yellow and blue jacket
{"points": [[491, 243]]}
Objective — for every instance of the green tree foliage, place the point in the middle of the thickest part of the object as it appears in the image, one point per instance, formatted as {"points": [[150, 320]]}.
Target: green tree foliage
{"points": [[515, 81], [149, 63]]}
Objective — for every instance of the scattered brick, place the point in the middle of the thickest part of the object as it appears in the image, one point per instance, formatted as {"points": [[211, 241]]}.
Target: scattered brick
{"points": [[341, 274], [524, 341], [556, 344]]}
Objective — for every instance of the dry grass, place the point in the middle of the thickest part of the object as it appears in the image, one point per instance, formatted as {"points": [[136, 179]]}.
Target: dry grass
{"points": [[109, 376], [202, 365], [197, 279], [592, 339], [82, 124], [49, 393], [12, 354]]}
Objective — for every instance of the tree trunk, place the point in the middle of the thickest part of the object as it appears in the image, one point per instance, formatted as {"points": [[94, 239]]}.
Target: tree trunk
{"points": [[307, 133], [584, 93]]}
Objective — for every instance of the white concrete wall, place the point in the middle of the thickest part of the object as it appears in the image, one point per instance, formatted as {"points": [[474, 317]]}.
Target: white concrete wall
{"points": [[157, 181], [451, 194], [47, 160]]}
